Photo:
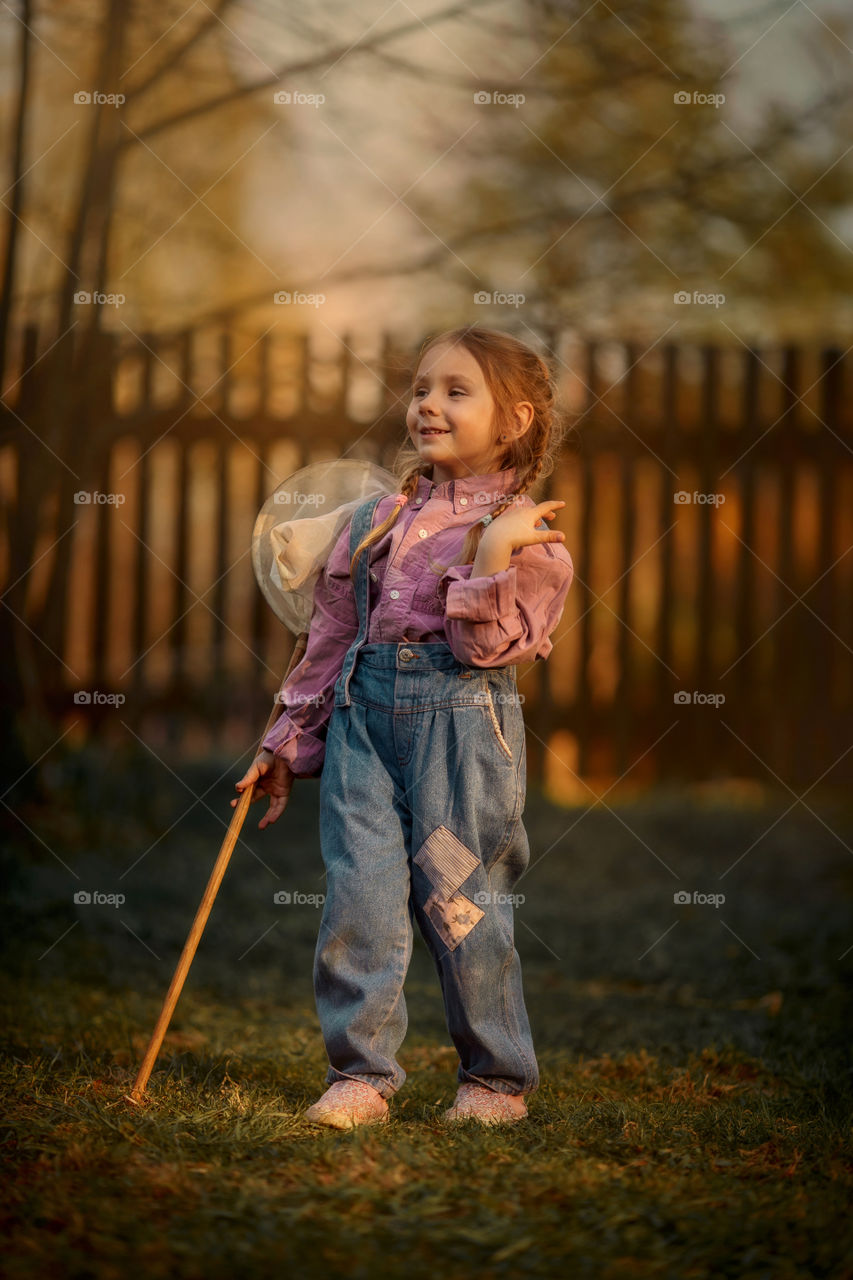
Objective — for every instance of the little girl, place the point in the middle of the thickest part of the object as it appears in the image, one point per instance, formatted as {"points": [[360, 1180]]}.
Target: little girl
{"points": [[405, 703]]}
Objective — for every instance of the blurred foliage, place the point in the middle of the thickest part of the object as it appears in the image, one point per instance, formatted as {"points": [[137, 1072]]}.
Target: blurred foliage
{"points": [[601, 195]]}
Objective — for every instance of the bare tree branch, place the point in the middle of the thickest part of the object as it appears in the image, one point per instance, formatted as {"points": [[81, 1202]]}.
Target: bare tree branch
{"points": [[171, 60], [326, 58]]}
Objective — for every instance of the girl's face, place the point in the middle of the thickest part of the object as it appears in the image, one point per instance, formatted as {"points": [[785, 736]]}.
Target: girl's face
{"points": [[451, 415]]}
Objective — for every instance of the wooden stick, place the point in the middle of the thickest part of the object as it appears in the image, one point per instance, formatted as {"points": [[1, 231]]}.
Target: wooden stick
{"points": [[216, 877]]}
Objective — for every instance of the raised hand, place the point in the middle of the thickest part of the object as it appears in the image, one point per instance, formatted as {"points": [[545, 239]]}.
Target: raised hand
{"points": [[514, 527]]}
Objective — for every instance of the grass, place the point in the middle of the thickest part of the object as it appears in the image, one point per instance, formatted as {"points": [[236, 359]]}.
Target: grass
{"points": [[694, 1114]]}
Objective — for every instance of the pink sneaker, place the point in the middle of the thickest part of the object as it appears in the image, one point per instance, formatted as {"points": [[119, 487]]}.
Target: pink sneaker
{"points": [[475, 1102], [347, 1103]]}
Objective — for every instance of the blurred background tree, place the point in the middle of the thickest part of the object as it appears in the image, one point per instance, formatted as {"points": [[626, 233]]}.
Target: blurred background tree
{"points": [[608, 189], [599, 196]]}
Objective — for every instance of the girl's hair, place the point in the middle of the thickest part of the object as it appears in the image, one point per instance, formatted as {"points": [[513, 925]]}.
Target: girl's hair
{"points": [[513, 372]]}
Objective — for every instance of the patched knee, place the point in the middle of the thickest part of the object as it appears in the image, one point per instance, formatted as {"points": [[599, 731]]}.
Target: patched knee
{"points": [[447, 863]]}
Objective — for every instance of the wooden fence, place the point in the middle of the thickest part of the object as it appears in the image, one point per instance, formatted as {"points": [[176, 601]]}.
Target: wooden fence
{"points": [[709, 515]]}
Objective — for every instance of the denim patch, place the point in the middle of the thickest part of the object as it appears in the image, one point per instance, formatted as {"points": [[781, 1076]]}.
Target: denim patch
{"points": [[453, 917], [446, 861]]}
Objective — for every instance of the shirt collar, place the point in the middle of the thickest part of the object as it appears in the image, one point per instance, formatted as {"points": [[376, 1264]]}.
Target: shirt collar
{"points": [[480, 493]]}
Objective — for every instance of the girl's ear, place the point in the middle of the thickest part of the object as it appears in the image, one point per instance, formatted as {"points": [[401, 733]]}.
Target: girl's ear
{"points": [[523, 412]]}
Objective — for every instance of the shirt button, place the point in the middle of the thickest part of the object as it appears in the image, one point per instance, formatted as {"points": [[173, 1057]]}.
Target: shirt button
{"points": [[422, 533], [463, 502], [394, 594], [418, 501], [373, 575]]}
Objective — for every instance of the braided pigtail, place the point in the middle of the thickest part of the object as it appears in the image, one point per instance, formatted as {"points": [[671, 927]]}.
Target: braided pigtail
{"points": [[407, 490]]}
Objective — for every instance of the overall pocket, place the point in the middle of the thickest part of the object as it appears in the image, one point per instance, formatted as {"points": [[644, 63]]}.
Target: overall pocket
{"points": [[496, 723]]}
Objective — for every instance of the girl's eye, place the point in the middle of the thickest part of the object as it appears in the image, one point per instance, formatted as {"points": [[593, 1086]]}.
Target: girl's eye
{"points": [[457, 391]]}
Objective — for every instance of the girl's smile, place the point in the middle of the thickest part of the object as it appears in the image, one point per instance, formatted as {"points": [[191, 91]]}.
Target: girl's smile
{"points": [[450, 418]]}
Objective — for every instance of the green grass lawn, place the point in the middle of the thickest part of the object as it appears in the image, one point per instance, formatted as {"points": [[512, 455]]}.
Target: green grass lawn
{"points": [[694, 1115]]}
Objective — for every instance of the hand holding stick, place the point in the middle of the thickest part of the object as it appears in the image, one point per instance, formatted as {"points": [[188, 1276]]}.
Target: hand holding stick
{"points": [[268, 775]]}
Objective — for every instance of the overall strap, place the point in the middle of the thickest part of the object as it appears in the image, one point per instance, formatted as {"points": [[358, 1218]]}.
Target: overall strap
{"points": [[362, 523]]}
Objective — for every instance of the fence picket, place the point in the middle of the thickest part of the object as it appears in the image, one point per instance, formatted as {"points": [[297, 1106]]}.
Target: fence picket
{"points": [[714, 623]]}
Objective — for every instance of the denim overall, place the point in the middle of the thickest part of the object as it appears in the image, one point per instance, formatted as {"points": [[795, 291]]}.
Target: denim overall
{"points": [[421, 797]]}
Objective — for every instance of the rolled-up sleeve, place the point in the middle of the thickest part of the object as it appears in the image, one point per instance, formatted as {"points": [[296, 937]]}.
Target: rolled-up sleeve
{"points": [[308, 694], [506, 618]]}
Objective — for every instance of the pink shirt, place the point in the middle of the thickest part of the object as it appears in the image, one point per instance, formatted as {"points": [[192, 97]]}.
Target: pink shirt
{"points": [[495, 621]]}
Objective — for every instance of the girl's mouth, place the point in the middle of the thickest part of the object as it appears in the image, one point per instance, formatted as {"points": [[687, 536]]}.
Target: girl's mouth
{"points": [[433, 431]]}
